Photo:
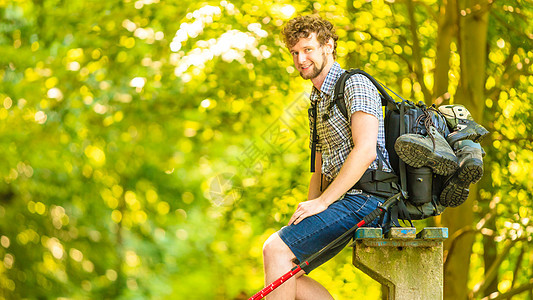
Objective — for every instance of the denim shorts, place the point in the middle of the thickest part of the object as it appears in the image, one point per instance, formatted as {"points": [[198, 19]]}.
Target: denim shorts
{"points": [[315, 232]]}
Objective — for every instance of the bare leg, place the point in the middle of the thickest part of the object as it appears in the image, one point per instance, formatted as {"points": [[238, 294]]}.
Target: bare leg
{"points": [[277, 258], [308, 288], [277, 261]]}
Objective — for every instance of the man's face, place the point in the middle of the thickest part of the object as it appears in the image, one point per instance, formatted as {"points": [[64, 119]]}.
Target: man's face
{"points": [[309, 57]]}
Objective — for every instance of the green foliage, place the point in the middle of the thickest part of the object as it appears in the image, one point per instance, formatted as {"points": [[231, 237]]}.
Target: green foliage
{"points": [[149, 148]]}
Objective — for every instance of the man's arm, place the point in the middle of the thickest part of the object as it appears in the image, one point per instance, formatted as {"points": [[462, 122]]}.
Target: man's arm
{"points": [[316, 178], [365, 134]]}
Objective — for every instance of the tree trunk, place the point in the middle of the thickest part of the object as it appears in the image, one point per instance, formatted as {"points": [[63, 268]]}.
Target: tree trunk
{"points": [[473, 26], [472, 40], [456, 270], [446, 32]]}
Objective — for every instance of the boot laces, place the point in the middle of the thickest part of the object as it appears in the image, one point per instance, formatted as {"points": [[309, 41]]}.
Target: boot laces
{"points": [[427, 118]]}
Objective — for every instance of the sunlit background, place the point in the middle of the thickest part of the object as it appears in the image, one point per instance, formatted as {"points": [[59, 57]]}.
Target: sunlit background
{"points": [[150, 147]]}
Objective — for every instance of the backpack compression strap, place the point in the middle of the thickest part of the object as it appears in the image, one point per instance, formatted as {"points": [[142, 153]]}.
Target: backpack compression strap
{"points": [[401, 210]]}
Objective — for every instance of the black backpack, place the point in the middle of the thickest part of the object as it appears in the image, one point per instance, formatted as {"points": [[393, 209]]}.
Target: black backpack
{"points": [[420, 187]]}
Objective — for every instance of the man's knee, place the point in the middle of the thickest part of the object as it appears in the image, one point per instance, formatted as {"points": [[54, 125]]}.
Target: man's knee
{"points": [[275, 247]]}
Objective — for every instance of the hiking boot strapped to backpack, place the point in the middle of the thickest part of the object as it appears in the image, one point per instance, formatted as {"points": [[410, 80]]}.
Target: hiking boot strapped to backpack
{"points": [[462, 124], [431, 150], [470, 155]]}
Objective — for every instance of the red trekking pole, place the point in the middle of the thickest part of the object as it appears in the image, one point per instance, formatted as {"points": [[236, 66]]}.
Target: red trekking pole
{"points": [[366, 220]]}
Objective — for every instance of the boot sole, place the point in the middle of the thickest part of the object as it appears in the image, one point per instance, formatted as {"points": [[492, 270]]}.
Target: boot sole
{"points": [[454, 194], [456, 191], [417, 156], [472, 172]]}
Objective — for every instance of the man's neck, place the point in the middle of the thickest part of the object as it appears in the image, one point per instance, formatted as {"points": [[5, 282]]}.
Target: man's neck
{"points": [[319, 80]]}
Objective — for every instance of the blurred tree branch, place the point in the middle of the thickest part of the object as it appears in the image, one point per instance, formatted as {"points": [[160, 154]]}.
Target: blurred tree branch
{"points": [[492, 272], [518, 264], [513, 292]]}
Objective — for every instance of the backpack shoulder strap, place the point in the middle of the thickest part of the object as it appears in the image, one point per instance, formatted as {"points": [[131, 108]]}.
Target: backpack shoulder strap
{"points": [[314, 138], [386, 99], [339, 93]]}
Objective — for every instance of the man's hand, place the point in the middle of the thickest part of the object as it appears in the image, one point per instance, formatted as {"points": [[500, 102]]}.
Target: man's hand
{"points": [[307, 209]]}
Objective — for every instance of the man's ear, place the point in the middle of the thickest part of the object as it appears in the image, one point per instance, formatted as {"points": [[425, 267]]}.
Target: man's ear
{"points": [[330, 45]]}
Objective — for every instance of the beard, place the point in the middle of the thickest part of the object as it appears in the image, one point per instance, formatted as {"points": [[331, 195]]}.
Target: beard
{"points": [[314, 70]]}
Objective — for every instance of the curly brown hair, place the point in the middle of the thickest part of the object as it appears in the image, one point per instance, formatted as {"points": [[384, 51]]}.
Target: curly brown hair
{"points": [[304, 26]]}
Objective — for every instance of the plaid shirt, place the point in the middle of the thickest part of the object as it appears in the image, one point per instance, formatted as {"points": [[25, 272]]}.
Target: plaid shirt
{"points": [[334, 132]]}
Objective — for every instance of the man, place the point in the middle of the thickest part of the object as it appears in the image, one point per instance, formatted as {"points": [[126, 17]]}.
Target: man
{"points": [[345, 150]]}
